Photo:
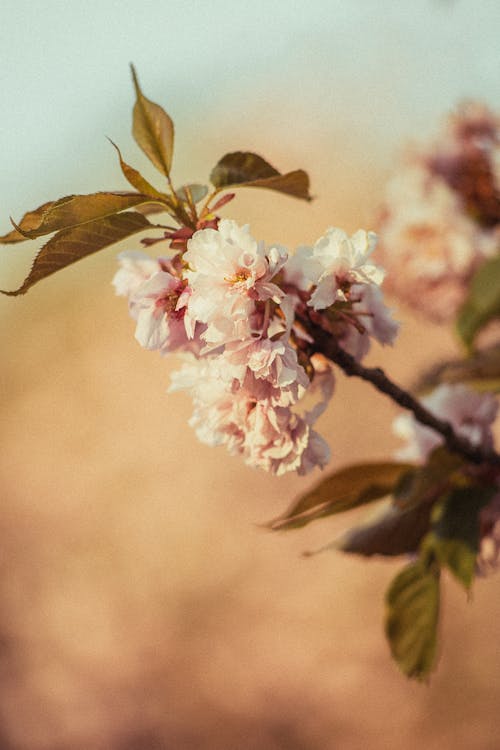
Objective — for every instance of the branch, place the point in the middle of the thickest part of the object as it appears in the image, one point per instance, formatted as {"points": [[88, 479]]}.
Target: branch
{"points": [[326, 344]]}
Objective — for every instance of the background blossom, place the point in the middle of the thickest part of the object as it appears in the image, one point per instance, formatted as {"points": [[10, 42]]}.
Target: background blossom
{"points": [[472, 414], [440, 219]]}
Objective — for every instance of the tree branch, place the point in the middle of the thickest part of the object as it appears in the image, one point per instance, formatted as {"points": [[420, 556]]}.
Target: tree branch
{"points": [[326, 344]]}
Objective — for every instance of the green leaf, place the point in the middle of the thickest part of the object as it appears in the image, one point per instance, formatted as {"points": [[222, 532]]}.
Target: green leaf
{"points": [[30, 221], [483, 302], [412, 613], [345, 489], [454, 538], [75, 210], [70, 245], [390, 531], [457, 556], [425, 483], [245, 169], [135, 178], [152, 129]]}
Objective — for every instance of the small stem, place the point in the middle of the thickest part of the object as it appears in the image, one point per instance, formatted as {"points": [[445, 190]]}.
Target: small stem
{"points": [[205, 210], [191, 204], [180, 214], [325, 343]]}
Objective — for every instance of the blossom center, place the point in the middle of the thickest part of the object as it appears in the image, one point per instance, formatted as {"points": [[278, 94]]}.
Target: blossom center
{"points": [[239, 277]]}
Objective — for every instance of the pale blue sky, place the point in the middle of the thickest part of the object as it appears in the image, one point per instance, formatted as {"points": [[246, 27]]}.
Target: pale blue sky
{"points": [[390, 67]]}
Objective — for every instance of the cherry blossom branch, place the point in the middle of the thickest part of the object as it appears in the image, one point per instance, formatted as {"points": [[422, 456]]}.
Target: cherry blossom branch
{"points": [[324, 343]]}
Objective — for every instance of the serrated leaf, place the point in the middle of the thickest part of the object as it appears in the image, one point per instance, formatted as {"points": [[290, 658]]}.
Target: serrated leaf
{"points": [[246, 169], [75, 210], [30, 221], [483, 302], [152, 129], [70, 245], [412, 614], [345, 489], [390, 531], [454, 538], [135, 178]]}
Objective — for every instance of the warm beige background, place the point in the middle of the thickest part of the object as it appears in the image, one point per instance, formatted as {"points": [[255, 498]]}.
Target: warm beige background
{"points": [[141, 606]]}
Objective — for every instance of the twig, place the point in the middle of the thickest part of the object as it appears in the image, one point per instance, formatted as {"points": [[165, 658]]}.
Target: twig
{"points": [[326, 344]]}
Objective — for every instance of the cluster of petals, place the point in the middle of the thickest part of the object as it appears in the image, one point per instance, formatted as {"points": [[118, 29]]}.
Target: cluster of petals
{"points": [[469, 133], [338, 268], [228, 271], [472, 415], [227, 304], [157, 300], [441, 216], [255, 419], [469, 412], [488, 559], [335, 263]]}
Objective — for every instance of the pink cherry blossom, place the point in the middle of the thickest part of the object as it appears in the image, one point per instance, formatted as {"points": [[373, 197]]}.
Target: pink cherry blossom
{"points": [[337, 260], [160, 318], [488, 559], [431, 246], [244, 419], [441, 215], [273, 361], [372, 314], [470, 413], [279, 440], [156, 301], [228, 303], [228, 271], [135, 267]]}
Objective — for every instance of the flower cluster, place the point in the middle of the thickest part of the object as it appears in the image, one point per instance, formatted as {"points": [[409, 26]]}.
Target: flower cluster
{"points": [[441, 216], [472, 415], [239, 314]]}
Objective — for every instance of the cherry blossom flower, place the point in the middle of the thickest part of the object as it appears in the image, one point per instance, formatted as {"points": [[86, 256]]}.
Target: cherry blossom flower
{"points": [[156, 301], [295, 269], [228, 271], [441, 215], [231, 302], [244, 418], [488, 559], [336, 262], [135, 267], [273, 361], [470, 413], [375, 318], [279, 440], [431, 246]]}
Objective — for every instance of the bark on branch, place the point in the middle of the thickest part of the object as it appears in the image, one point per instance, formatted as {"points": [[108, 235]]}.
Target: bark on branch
{"points": [[326, 344]]}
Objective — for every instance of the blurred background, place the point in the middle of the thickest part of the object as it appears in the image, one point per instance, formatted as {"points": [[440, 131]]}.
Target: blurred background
{"points": [[142, 606]]}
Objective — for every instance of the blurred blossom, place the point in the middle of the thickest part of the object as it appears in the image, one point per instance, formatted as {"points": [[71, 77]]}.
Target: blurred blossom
{"points": [[472, 415], [441, 215], [489, 551]]}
